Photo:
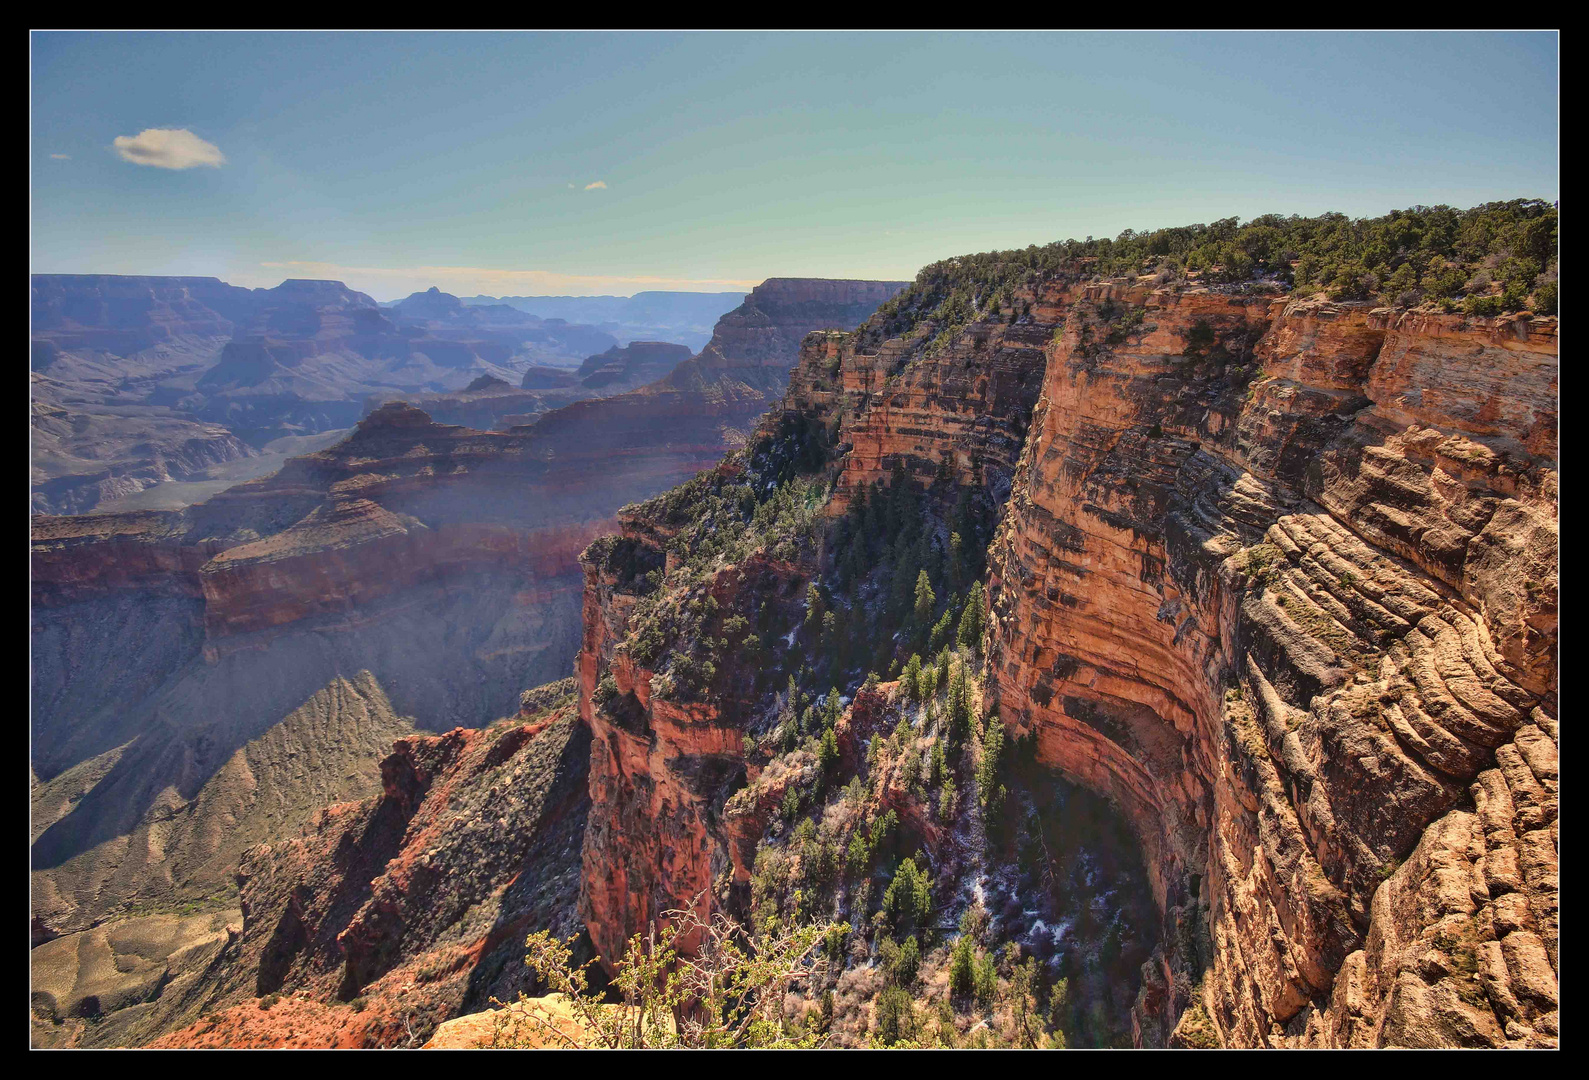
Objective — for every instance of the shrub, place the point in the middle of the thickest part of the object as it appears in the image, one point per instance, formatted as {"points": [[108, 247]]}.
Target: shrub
{"points": [[962, 967], [728, 991], [985, 979]]}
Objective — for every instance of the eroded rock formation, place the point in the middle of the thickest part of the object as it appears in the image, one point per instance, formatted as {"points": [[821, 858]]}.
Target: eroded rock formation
{"points": [[1275, 575], [440, 560], [1286, 605], [388, 915]]}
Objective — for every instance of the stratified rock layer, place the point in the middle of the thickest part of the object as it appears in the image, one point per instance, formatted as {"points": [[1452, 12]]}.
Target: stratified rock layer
{"points": [[1289, 626], [1276, 576]]}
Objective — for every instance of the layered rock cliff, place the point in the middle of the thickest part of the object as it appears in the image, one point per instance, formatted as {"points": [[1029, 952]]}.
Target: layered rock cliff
{"points": [[1291, 629], [1274, 575], [440, 560]]}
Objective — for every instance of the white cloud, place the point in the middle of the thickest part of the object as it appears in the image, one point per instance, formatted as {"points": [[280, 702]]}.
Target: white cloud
{"points": [[168, 148], [61, 157], [596, 185]]}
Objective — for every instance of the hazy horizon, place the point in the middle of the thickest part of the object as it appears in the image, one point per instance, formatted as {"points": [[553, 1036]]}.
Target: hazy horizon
{"points": [[380, 298]]}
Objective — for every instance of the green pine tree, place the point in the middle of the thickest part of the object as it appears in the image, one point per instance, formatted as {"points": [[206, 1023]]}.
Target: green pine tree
{"points": [[926, 600], [973, 619]]}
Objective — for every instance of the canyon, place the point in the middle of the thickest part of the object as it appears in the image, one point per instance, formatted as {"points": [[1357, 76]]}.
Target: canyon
{"points": [[1274, 575], [277, 636], [1257, 599], [686, 318]]}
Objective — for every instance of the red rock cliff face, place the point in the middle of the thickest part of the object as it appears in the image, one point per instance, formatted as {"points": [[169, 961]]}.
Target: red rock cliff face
{"points": [[1304, 633], [1278, 578], [661, 771]]}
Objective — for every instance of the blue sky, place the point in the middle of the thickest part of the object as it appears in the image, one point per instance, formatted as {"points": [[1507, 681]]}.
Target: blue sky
{"points": [[396, 161]]}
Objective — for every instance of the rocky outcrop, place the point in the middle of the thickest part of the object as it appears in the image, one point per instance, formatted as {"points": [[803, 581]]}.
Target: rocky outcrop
{"points": [[754, 346], [1274, 575], [388, 916], [660, 770]]}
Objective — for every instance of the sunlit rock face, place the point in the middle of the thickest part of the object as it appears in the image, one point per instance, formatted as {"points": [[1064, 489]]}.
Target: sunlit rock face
{"points": [[1276, 577], [1293, 606]]}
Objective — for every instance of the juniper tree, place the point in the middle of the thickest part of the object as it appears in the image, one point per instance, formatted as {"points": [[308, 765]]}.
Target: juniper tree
{"points": [[908, 899], [956, 561]]}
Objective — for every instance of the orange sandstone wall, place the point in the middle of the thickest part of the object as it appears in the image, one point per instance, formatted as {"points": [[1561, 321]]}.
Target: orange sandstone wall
{"points": [[1303, 632], [1278, 577]]}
